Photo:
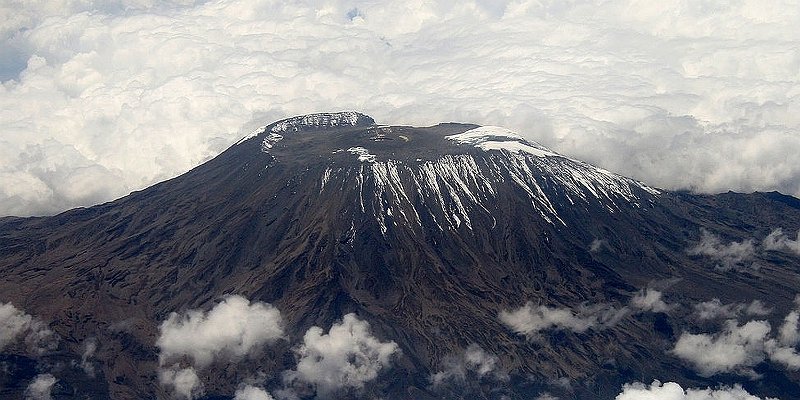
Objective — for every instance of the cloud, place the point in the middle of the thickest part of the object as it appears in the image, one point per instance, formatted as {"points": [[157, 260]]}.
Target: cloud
{"points": [[674, 391], [473, 363], [12, 323], [15, 323], [40, 388], [714, 309], [650, 300], [100, 98], [182, 382], [777, 240], [529, 320], [251, 393], [735, 350], [348, 356], [734, 255], [89, 348], [597, 245], [232, 329]]}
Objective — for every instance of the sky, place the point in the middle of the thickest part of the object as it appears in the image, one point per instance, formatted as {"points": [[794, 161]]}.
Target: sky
{"points": [[99, 98]]}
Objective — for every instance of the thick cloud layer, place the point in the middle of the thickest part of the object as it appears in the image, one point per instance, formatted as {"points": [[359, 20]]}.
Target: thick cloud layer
{"points": [[674, 391], [99, 98], [348, 356], [234, 328]]}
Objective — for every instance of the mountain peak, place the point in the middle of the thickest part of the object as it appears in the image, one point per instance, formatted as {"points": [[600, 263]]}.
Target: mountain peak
{"points": [[321, 121]]}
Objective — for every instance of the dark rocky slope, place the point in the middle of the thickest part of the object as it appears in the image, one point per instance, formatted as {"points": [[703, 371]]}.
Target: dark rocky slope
{"points": [[428, 238]]}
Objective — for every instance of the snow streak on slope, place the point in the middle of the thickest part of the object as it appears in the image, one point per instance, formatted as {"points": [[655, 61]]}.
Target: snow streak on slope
{"points": [[454, 189], [321, 120]]}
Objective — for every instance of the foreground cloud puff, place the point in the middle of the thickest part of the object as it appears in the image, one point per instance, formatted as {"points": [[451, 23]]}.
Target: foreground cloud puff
{"points": [[234, 328], [347, 356], [674, 391], [100, 98]]}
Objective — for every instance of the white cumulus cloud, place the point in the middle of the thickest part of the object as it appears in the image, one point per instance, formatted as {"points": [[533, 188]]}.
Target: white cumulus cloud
{"points": [[735, 349], [249, 392], [530, 319], [98, 98], [674, 391], [233, 328], [348, 356]]}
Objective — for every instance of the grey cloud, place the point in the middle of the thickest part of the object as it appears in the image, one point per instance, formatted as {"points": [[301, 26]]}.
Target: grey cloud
{"points": [[233, 328], [530, 320], [734, 255], [348, 356], [473, 363], [714, 309], [111, 96], [40, 387], [674, 391], [777, 240]]}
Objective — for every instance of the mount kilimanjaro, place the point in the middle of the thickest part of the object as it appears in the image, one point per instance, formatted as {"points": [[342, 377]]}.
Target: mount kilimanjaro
{"points": [[494, 266]]}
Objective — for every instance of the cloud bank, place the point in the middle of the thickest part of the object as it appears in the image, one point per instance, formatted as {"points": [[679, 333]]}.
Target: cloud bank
{"points": [[100, 98], [674, 391]]}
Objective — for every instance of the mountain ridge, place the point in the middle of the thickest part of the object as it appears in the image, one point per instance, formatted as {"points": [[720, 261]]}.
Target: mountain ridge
{"points": [[429, 241]]}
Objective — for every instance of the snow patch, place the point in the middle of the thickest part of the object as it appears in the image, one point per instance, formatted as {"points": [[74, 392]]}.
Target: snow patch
{"points": [[497, 138], [321, 120], [270, 141], [362, 153]]}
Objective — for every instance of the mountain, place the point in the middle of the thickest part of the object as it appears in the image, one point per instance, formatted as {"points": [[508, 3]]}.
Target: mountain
{"points": [[506, 268]]}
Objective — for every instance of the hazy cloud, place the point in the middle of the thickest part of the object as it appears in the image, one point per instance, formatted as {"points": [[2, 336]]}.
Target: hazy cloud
{"points": [[728, 256], [714, 309], [102, 97], [674, 391], [40, 388], [473, 363], [348, 356], [650, 300], [251, 393], [183, 383], [231, 329], [777, 240], [529, 319]]}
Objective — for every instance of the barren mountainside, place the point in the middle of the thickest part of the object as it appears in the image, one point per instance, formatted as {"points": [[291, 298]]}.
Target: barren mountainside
{"points": [[435, 236]]}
